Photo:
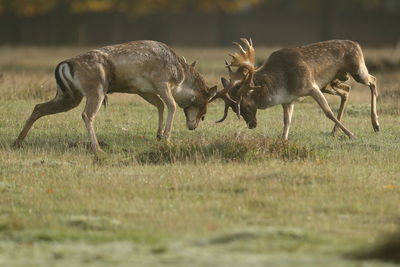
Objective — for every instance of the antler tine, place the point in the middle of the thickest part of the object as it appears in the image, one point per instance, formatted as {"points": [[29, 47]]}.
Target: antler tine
{"points": [[250, 49], [240, 47], [246, 42], [224, 95], [228, 66], [245, 57], [226, 109]]}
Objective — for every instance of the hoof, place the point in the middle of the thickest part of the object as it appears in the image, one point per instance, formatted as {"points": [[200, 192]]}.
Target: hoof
{"points": [[100, 155], [17, 144], [377, 128]]}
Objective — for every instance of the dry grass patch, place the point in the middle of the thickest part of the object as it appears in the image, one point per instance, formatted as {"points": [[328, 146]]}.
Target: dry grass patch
{"points": [[224, 149]]}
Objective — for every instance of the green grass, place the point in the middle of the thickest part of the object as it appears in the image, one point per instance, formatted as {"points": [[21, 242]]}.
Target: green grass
{"points": [[220, 195]]}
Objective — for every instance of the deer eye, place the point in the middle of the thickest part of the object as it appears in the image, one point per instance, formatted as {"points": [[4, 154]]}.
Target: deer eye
{"points": [[202, 118]]}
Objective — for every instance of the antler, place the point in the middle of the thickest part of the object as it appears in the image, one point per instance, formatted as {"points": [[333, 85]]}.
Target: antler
{"points": [[245, 58], [224, 93], [229, 103]]}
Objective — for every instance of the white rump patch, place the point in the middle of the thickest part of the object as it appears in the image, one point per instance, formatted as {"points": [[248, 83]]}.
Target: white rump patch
{"points": [[74, 80]]}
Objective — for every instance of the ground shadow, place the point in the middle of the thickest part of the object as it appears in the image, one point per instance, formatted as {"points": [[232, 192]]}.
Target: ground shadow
{"points": [[387, 249]]}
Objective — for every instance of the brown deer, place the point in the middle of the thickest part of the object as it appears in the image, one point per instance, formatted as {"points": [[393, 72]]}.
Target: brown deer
{"points": [[148, 68], [291, 73]]}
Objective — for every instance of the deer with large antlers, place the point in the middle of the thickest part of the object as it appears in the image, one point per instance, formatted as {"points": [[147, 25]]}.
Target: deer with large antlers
{"points": [[148, 68], [291, 73]]}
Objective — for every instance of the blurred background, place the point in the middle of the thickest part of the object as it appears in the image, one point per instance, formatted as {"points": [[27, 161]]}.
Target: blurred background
{"points": [[198, 22]]}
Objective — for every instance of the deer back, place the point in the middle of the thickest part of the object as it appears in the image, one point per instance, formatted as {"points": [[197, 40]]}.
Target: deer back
{"points": [[317, 63]]}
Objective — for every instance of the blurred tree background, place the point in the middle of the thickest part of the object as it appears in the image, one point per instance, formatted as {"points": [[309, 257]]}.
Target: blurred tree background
{"points": [[198, 22]]}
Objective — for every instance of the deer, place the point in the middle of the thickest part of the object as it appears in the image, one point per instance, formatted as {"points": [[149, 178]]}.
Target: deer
{"points": [[147, 68], [290, 73]]}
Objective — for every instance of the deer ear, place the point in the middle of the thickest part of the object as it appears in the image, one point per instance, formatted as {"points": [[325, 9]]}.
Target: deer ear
{"points": [[193, 64], [224, 82], [212, 92]]}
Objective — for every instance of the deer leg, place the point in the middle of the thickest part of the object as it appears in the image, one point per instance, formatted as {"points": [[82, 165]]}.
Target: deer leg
{"points": [[287, 118], [374, 94], [330, 91], [321, 100], [156, 101], [61, 103], [166, 96], [93, 104], [363, 77], [343, 91]]}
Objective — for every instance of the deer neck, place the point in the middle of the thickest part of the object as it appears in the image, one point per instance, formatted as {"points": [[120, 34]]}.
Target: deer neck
{"points": [[191, 84]]}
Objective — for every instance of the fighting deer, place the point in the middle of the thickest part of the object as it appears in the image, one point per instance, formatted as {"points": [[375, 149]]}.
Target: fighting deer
{"points": [[148, 68], [291, 73]]}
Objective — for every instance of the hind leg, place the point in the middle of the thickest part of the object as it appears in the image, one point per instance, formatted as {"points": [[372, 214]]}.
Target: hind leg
{"points": [[61, 103], [320, 99], [374, 94], [343, 91], [93, 104], [363, 77]]}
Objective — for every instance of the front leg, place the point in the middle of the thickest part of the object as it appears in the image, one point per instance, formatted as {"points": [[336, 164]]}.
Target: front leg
{"points": [[287, 119], [166, 96], [156, 101]]}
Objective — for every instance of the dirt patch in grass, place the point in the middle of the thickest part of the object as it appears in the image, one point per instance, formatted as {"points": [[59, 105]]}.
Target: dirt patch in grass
{"points": [[225, 149]]}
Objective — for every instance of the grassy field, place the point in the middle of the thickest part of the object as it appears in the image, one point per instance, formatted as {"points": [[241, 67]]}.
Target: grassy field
{"points": [[222, 195]]}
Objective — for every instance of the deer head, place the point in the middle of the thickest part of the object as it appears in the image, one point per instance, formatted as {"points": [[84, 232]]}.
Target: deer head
{"points": [[194, 103], [240, 84], [197, 109]]}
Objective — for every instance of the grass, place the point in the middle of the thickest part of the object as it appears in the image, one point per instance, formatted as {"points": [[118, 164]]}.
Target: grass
{"points": [[220, 195]]}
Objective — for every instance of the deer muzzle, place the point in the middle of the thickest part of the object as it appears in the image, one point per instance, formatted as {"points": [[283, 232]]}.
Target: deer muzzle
{"points": [[192, 124], [252, 124]]}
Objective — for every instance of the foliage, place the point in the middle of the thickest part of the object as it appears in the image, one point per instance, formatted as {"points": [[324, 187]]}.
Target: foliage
{"points": [[136, 7], [27, 7]]}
